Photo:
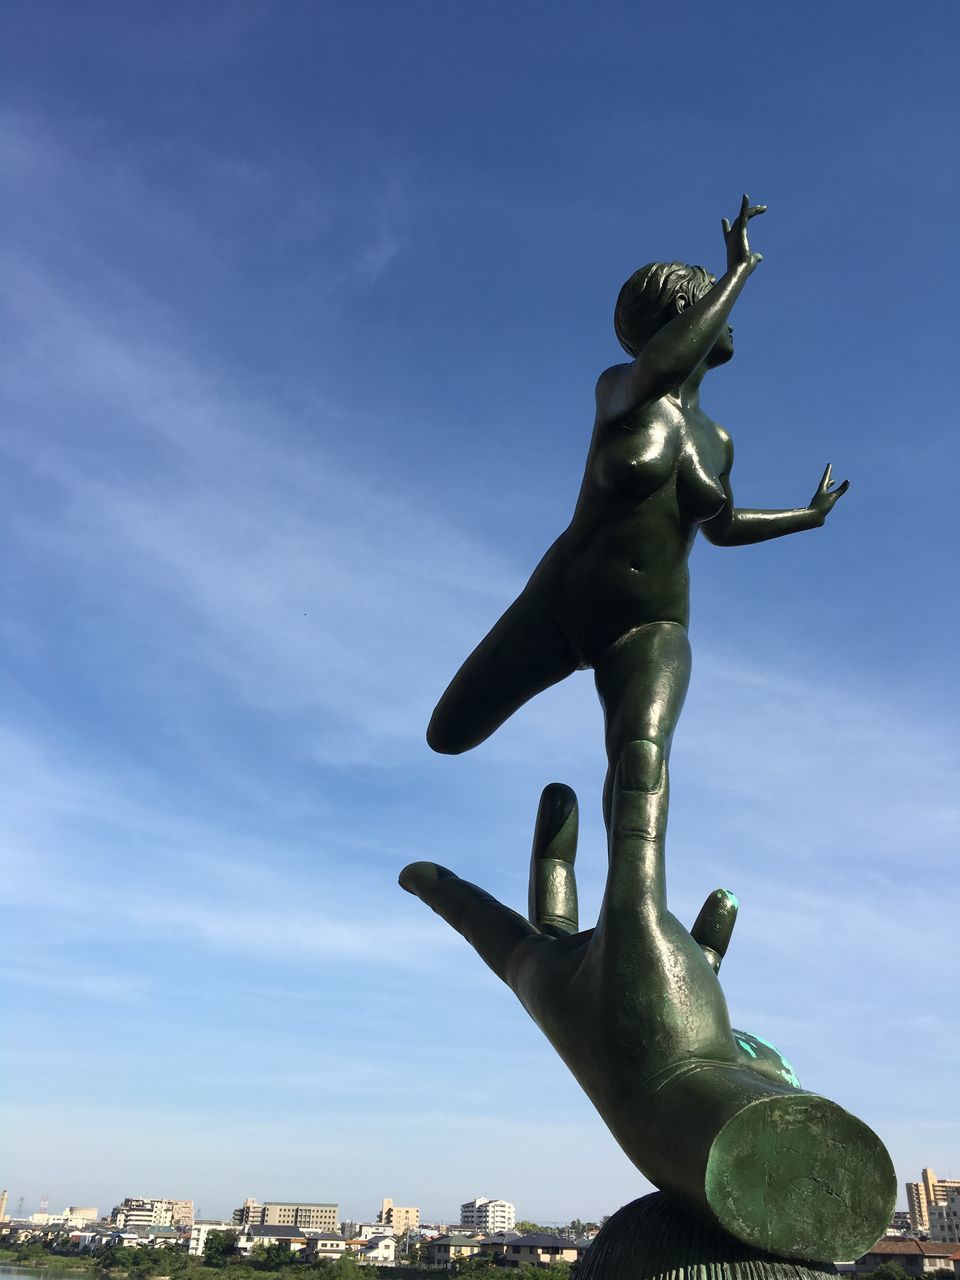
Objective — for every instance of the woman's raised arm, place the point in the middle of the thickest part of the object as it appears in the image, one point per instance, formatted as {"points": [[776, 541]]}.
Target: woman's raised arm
{"points": [[675, 352]]}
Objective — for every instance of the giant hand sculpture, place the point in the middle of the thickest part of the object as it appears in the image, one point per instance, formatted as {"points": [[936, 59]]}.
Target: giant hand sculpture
{"points": [[712, 1116]]}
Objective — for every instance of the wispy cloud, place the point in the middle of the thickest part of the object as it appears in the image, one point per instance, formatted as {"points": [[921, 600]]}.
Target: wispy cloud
{"points": [[67, 983], [300, 582]]}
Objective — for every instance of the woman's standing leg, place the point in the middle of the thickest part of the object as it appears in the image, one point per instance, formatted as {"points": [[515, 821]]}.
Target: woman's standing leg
{"points": [[642, 681]]}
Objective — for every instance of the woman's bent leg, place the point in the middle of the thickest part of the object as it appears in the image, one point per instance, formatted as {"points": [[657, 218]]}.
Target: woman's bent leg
{"points": [[524, 654], [642, 682]]}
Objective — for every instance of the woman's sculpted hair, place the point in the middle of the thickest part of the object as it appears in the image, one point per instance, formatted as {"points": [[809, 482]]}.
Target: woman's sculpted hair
{"points": [[649, 299]]}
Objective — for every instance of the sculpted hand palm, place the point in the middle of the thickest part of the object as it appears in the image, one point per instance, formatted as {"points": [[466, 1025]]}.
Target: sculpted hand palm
{"points": [[631, 1001], [714, 1117]]}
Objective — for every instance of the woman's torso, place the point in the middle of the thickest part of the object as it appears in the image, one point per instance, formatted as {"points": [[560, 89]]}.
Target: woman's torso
{"points": [[652, 476]]}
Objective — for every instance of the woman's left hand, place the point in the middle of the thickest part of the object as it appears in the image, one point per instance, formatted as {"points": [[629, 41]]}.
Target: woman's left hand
{"points": [[823, 501]]}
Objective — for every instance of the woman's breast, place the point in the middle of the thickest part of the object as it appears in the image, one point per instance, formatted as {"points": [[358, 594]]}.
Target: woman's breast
{"points": [[700, 493]]}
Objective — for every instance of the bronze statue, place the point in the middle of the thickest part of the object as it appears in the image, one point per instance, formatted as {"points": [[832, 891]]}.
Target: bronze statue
{"points": [[612, 593], [714, 1117]]}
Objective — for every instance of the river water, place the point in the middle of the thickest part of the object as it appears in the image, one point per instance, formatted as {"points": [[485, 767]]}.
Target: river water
{"points": [[19, 1273]]}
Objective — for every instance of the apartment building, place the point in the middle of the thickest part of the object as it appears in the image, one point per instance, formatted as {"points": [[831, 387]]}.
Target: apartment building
{"points": [[484, 1214], [929, 1191], [249, 1212], [945, 1219], [287, 1213], [135, 1212], [401, 1217]]}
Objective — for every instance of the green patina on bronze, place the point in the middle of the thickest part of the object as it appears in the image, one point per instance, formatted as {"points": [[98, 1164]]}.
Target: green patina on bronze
{"points": [[715, 1117]]}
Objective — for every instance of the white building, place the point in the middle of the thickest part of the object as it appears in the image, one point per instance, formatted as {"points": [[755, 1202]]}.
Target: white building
{"points": [[381, 1251], [484, 1214], [367, 1230], [199, 1232], [78, 1215], [136, 1211]]}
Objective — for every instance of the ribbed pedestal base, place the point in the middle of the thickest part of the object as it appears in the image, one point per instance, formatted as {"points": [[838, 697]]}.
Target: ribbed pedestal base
{"points": [[655, 1238]]}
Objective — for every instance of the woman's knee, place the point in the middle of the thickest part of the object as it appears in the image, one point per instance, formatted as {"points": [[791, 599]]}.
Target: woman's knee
{"points": [[446, 735], [643, 755]]}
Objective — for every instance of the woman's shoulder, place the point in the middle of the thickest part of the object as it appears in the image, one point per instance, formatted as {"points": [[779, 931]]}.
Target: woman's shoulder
{"points": [[618, 408], [610, 380]]}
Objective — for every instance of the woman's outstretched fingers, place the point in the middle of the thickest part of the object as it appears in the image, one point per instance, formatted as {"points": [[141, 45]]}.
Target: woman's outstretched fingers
{"points": [[493, 930], [553, 885], [639, 820], [713, 926]]}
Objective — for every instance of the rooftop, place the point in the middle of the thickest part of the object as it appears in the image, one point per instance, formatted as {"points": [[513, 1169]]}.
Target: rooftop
{"points": [[544, 1240], [277, 1233], [296, 1204], [928, 1248]]}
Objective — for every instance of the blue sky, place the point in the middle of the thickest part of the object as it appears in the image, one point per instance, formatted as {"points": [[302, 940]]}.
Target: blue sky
{"points": [[303, 307]]}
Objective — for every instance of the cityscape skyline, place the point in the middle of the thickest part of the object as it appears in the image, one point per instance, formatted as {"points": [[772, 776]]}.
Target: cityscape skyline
{"points": [[929, 1233], [914, 1199]]}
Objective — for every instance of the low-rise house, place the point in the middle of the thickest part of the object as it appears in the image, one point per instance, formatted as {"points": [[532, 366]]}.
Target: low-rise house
{"points": [[379, 1251], [85, 1241], [917, 1257], [444, 1250], [145, 1238], [541, 1249], [498, 1242], [292, 1237], [125, 1239], [325, 1244]]}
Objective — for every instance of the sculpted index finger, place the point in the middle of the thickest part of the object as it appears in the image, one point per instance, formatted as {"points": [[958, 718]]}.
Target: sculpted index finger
{"points": [[493, 930], [553, 886]]}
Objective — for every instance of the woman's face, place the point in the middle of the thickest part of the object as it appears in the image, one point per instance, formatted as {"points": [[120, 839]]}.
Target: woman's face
{"points": [[722, 350]]}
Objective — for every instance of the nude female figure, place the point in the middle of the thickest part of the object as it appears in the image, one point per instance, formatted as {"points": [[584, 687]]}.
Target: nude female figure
{"points": [[612, 593]]}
